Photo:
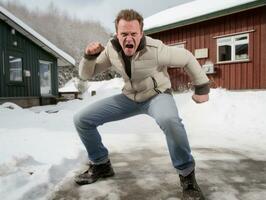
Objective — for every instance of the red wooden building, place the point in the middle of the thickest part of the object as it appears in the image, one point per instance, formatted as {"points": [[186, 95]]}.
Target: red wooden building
{"points": [[229, 40]]}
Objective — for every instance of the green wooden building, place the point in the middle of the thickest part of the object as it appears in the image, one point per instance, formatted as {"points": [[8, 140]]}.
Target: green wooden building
{"points": [[28, 64]]}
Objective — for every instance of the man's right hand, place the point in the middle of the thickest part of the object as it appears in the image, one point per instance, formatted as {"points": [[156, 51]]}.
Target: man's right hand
{"points": [[94, 48]]}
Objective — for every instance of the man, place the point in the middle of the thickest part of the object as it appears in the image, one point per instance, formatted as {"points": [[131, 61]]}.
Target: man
{"points": [[142, 62]]}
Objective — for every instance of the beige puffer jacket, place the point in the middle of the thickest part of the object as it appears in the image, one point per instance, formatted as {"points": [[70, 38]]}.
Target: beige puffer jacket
{"points": [[149, 74]]}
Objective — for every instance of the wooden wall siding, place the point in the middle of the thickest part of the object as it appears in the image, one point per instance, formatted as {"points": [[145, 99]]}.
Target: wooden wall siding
{"points": [[241, 75], [263, 50]]}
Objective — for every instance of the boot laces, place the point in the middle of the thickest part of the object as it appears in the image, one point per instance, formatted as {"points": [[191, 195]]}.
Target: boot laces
{"points": [[92, 168]]}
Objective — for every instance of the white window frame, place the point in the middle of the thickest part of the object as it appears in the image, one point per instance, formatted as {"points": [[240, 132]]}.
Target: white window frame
{"points": [[231, 41]]}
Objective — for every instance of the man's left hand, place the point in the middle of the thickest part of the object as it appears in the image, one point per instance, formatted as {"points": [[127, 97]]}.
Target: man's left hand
{"points": [[200, 98]]}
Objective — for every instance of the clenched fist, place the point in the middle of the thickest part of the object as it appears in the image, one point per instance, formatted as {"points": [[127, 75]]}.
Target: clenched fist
{"points": [[94, 48]]}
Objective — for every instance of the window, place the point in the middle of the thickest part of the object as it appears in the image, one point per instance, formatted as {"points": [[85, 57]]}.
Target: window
{"points": [[15, 68], [233, 48], [45, 77]]}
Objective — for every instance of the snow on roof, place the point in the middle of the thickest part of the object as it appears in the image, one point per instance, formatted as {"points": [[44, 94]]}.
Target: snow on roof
{"points": [[23, 28], [188, 11]]}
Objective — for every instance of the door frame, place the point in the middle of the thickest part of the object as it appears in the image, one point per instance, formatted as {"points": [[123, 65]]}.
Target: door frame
{"points": [[2, 72], [50, 70], [1, 60]]}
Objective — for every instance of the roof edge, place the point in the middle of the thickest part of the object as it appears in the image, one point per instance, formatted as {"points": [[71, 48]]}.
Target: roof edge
{"points": [[213, 15]]}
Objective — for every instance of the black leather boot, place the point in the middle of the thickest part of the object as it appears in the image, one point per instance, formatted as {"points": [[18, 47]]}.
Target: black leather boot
{"points": [[94, 173], [191, 190]]}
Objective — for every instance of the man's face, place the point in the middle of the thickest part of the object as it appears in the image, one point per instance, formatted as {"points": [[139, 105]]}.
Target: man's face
{"points": [[129, 35]]}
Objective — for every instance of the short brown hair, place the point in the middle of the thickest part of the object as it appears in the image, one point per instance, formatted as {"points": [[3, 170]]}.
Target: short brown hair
{"points": [[129, 15]]}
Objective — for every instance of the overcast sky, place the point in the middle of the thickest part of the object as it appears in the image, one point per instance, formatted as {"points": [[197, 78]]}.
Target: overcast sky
{"points": [[103, 11]]}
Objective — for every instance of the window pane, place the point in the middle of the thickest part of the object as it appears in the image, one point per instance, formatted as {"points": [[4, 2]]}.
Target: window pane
{"points": [[225, 53], [241, 51], [224, 40], [45, 78], [15, 70]]}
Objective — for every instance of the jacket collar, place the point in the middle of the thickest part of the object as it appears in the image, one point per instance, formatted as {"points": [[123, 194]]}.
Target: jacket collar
{"points": [[118, 47]]}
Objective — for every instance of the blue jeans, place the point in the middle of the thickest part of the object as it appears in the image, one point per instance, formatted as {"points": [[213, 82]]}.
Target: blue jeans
{"points": [[162, 108]]}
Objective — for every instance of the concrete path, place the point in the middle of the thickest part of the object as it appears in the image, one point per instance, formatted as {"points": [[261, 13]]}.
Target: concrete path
{"points": [[146, 175]]}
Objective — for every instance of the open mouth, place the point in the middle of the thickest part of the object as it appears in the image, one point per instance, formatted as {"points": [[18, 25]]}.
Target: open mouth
{"points": [[130, 46]]}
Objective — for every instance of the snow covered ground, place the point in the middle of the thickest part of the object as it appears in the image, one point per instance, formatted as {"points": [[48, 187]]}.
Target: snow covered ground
{"points": [[40, 150]]}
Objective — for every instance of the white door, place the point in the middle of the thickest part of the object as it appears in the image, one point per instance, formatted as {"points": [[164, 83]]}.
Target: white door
{"points": [[45, 77]]}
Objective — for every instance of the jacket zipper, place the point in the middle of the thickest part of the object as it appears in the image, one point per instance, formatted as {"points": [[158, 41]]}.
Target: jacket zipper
{"points": [[132, 65], [155, 85], [135, 93]]}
